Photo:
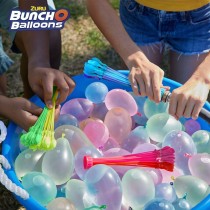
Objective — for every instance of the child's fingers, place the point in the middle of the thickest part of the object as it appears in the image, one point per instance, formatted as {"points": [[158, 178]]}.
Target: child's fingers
{"points": [[63, 89], [70, 83], [48, 90], [33, 109]]}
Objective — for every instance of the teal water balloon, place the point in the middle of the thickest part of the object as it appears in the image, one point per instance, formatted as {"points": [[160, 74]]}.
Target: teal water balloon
{"points": [[183, 146], [84, 151], [137, 136], [66, 119], [115, 121], [193, 187], [151, 108], [161, 124], [104, 185], [199, 165], [158, 204], [96, 92], [28, 161], [60, 204], [140, 118], [121, 98], [138, 188], [75, 193], [59, 162], [181, 204], [165, 191], [40, 187], [201, 139], [76, 137]]}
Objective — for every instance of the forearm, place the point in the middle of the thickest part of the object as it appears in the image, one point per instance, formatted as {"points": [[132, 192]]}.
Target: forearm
{"points": [[37, 56], [107, 20], [4, 108]]}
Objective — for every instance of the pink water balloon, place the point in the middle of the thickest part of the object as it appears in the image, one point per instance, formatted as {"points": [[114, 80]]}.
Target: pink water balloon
{"points": [[121, 98], [119, 123], [80, 108], [97, 132], [88, 120]]}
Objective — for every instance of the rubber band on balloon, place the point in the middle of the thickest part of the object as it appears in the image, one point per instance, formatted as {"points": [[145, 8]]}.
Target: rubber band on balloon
{"points": [[12, 187]]}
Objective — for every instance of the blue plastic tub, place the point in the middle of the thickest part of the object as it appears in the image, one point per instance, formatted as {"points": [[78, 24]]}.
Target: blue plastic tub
{"points": [[11, 145]]}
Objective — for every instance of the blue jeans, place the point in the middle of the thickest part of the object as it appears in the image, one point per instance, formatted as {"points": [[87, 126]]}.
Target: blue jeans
{"points": [[185, 32]]}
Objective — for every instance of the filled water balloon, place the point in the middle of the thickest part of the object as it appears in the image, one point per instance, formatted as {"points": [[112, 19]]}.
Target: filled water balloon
{"points": [[40, 186], [75, 191], [137, 136], [80, 108], [84, 151], [191, 126], [28, 161], [121, 98], [183, 145], [97, 132], [59, 162], [181, 204], [98, 180], [96, 92], [199, 165], [161, 124], [201, 139], [115, 121], [140, 118], [151, 108], [99, 111], [165, 191], [77, 139], [193, 187], [138, 188], [60, 204], [159, 204], [66, 119]]}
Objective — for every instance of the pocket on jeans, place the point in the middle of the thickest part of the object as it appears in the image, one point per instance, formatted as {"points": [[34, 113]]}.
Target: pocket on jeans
{"points": [[131, 5], [201, 15]]}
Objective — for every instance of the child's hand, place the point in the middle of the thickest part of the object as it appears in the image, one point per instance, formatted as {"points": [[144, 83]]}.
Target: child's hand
{"points": [[145, 75], [42, 81], [23, 112], [188, 100]]}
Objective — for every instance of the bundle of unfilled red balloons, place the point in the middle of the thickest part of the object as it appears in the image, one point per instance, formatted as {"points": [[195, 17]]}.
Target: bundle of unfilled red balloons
{"points": [[117, 123]]}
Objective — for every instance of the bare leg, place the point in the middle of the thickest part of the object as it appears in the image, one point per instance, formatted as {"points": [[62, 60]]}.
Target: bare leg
{"points": [[153, 52], [182, 66], [3, 84]]}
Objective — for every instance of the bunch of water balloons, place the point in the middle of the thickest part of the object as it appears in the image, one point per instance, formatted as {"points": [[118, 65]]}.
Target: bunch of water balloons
{"points": [[115, 123], [41, 135]]}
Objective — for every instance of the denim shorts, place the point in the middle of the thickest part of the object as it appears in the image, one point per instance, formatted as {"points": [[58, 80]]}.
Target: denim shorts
{"points": [[185, 32]]}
